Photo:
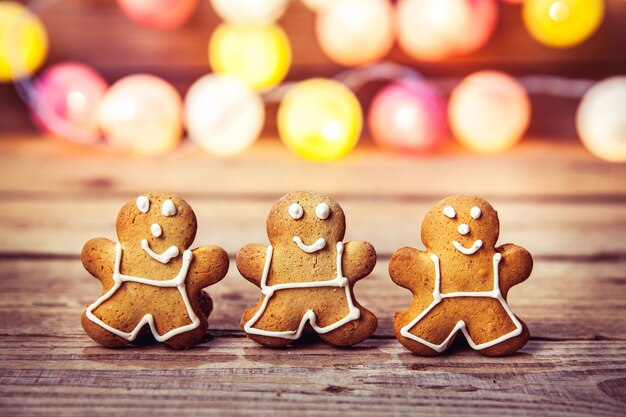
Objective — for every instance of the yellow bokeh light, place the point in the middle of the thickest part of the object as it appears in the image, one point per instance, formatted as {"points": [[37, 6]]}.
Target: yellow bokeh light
{"points": [[562, 23], [258, 55], [23, 42], [320, 119]]}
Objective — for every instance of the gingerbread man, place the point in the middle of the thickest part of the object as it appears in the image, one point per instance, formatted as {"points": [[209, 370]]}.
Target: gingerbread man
{"points": [[150, 279], [461, 282], [307, 275]]}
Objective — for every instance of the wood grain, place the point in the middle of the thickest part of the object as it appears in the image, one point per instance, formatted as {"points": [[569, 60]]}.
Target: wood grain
{"points": [[553, 198]]}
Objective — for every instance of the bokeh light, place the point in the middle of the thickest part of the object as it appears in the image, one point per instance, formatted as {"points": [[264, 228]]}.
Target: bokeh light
{"points": [[320, 119], [223, 115], [316, 5], [23, 42], [489, 111], [65, 101], [408, 116], [562, 23], [355, 32], [601, 119], [250, 12], [430, 29], [484, 19], [259, 55], [159, 14], [143, 114]]}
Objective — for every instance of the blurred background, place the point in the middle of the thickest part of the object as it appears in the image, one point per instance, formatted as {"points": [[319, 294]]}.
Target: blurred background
{"points": [[402, 60]]}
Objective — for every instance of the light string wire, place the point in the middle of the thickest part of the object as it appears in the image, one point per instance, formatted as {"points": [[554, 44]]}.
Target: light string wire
{"points": [[353, 78]]}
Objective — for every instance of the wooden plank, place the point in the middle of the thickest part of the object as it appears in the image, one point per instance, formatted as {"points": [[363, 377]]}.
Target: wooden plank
{"points": [[561, 301], [60, 225], [536, 169], [232, 376]]}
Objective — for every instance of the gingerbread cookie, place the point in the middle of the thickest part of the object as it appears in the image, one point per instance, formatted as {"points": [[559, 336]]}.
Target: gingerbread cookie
{"points": [[151, 281], [307, 275], [460, 282]]}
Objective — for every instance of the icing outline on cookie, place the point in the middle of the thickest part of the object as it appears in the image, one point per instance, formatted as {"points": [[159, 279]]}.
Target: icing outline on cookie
{"points": [[268, 290], [164, 257], [438, 297], [319, 244], [177, 282]]}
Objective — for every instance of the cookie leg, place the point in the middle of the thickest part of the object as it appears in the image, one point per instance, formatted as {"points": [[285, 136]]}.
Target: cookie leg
{"points": [[101, 335], [435, 327], [188, 339], [206, 303], [274, 318], [509, 346], [354, 331]]}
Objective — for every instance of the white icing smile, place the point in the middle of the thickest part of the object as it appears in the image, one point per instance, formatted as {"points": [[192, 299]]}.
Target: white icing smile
{"points": [[164, 257], [468, 251], [319, 244]]}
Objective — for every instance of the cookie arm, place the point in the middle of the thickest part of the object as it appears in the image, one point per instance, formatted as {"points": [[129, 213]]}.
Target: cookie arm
{"points": [[408, 267], [358, 261], [209, 265], [98, 258], [515, 267], [250, 262]]}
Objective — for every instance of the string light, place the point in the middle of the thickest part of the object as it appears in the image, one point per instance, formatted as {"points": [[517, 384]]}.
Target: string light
{"points": [[344, 30], [159, 14], [23, 42], [65, 101], [320, 119], [223, 115], [259, 55], [142, 113], [250, 12], [408, 116], [489, 111], [601, 119], [562, 23]]}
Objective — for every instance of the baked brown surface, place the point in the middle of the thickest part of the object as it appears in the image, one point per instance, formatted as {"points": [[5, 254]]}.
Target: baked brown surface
{"points": [[485, 318], [290, 264], [132, 301]]}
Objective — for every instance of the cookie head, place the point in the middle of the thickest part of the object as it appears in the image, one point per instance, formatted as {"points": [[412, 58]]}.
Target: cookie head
{"points": [[306, 221], [463, 222], [161, 224]]}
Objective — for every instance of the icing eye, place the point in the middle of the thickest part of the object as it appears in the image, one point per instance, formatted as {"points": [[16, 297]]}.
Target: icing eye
{"points": [[448, 211], [475, 212], [143, 204], [322, 210], [295, 211], [168, 209], [156, 230]]}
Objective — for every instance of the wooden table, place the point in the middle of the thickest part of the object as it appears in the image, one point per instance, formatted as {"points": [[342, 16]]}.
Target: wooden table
{"points": [[554, 198]]}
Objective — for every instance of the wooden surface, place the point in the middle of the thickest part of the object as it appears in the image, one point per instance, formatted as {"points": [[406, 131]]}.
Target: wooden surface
{"points": [[554, 198]]}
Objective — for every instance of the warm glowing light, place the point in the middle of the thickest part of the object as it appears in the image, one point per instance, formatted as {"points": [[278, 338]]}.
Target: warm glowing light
{"points": [[65, 101], [436, 29], [355, 32], [316, 5], [259, 55], [601, 119], [159, 14], [408, 116], [223, 115], [320, 119], [23, 42], [142, 113], [489, 111], [562, 23], [250, 12]]}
